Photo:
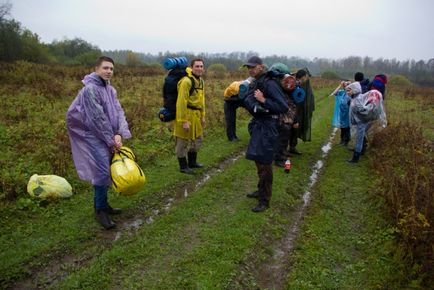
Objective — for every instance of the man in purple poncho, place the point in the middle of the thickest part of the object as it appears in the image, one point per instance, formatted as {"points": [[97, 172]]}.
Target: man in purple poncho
{"points": [[96, 126]]}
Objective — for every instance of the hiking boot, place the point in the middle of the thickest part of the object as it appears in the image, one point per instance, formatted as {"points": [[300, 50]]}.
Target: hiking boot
{"points": [[114, 211], [102, 217], [355, 157], [260, 207], [183, 166], [254, 194], [192, 163]]}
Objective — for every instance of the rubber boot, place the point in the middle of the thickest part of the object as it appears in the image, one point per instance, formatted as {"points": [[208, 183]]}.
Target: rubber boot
{"points": [[111, 210], [192, 163], [114, 210], [261, 206], [102, 217], [355, 159], [183, 166]]}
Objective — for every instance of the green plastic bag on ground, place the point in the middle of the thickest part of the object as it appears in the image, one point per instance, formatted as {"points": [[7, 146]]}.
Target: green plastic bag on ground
{"points": [[49, 187]]}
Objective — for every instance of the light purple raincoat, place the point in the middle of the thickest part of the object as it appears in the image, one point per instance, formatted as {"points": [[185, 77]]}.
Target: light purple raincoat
{"points": [[93, 119]]}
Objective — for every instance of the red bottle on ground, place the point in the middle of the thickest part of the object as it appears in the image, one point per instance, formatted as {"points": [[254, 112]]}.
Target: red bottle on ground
{"points": [[287, 165]]}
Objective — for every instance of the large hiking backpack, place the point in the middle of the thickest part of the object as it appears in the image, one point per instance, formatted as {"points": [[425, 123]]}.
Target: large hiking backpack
{"points": [[170, 92]]}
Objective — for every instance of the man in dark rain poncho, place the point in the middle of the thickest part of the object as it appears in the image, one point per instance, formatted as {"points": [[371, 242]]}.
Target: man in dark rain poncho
{"points": [[265, 100]]}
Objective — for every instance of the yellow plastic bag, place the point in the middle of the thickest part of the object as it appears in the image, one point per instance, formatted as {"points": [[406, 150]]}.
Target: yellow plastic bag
{"points": [[128, 178], [49, 187], [232, 90]]}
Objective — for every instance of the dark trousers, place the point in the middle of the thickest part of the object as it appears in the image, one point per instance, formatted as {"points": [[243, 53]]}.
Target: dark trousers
{"points": [[293, 139], [285, 133], [345, 135], [230, 108], [265, 174]]}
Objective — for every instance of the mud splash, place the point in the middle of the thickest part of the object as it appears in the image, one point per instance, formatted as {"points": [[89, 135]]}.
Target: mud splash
{"points": [[274, 272]]}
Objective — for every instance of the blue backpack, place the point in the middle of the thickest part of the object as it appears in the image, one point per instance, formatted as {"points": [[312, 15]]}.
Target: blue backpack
{"points": [[170, 92]]}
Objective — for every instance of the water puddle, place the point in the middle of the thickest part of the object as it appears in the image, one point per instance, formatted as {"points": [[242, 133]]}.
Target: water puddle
{"points": [[54, 271], [183, 192], [274, 272]]}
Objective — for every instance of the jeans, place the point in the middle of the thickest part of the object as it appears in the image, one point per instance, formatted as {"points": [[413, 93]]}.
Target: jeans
{"points": [[361, 131], [100, 197]]}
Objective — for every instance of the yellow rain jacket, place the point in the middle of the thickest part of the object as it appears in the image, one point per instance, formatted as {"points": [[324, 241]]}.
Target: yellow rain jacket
{"points": [[190, 108]]}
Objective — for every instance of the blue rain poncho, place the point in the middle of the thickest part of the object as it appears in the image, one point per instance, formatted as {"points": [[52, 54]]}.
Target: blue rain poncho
{"points": [[93, 119], [341, 118]]}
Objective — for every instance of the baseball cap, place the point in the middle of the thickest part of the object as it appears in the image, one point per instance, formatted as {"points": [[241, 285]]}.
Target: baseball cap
{"points": [[253, 61]]}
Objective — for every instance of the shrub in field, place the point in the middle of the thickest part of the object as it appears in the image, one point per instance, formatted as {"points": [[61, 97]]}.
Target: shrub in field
{"points": [[405, 168], [217, 70], [330, 75], [399, 80]]}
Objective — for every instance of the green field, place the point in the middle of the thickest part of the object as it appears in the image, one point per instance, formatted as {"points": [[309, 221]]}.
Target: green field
{"points": [[198, 232]]}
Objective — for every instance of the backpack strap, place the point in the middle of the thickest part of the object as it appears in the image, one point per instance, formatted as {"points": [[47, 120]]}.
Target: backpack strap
{"points": [[192, 84], [193, 88]]}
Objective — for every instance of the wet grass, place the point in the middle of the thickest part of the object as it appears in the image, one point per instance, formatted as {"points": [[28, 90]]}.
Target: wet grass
{"points": [[196, 226], [345, 242], [209, 239]]}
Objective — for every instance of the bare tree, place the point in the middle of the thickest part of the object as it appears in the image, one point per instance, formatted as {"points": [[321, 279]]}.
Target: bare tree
{"points": [[5, 9]]}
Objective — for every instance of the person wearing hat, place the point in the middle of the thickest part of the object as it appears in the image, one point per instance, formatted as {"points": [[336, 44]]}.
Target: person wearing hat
{"points": [[379, 83], [264, 100]]}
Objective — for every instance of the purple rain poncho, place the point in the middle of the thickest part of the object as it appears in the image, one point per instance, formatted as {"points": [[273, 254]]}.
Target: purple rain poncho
{"points": [[93, 119]]}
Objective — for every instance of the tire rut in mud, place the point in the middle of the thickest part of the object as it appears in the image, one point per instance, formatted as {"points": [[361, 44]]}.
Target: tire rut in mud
{"points": [[155, 205]]}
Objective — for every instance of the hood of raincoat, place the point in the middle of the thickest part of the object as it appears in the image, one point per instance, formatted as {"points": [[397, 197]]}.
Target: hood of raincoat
{"points": [[95, 79], [355, 87]]}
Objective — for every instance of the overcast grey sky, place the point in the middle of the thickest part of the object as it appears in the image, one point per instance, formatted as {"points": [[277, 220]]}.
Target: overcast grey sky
{"points": [[401, 29]]}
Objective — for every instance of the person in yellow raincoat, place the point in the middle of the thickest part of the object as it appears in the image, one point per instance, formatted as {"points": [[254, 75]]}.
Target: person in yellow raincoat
{"points": [[190, 117]]}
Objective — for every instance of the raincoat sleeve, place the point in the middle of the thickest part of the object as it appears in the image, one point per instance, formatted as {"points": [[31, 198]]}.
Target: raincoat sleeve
{"points": [[123, 129], [184, 86], [275, 100], [95, 119]]}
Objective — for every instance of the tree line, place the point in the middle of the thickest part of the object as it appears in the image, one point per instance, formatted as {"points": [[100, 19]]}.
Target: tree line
{"points": [[19, 43]]}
